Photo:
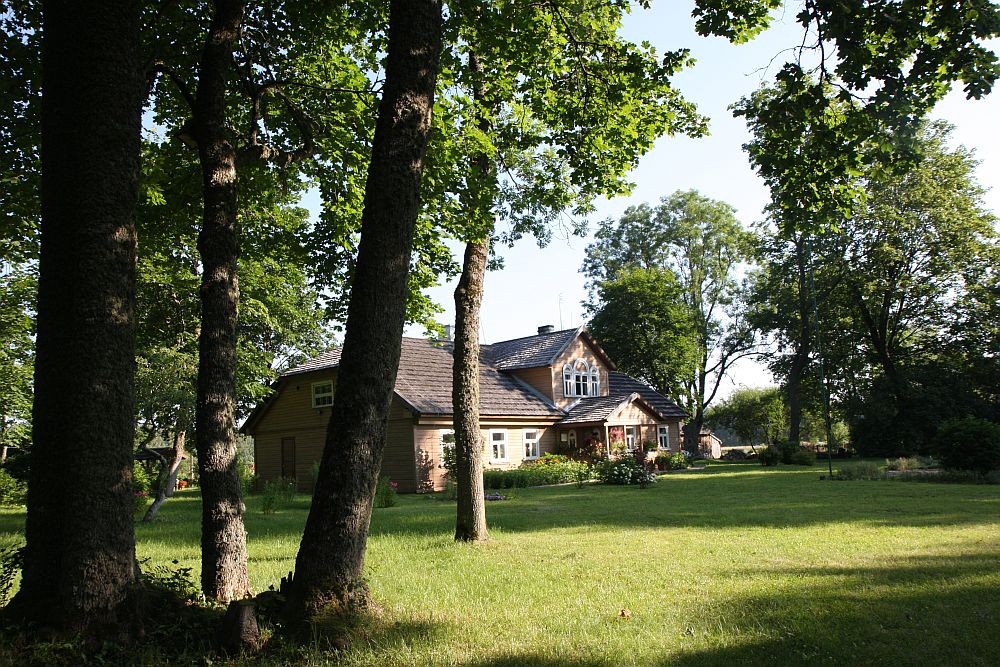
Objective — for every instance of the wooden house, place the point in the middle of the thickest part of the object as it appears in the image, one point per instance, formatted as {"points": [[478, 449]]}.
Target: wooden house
{"points": [[556, 391]]}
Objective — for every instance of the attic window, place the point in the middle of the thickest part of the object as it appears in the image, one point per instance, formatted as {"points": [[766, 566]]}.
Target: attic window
{"points": [[581, 379], [322, 394]]}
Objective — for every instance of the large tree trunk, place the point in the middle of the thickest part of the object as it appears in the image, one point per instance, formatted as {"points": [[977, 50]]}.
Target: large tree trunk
{"points": [[470, 522], [79, 562], [223, 537], [329, 566], [470, 525]]}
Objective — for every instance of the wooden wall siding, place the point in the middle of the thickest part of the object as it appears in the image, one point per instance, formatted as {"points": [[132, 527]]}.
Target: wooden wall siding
{"points": [[543, 379], [578, 349], [291, 415], [427, 451], [632, 414]]}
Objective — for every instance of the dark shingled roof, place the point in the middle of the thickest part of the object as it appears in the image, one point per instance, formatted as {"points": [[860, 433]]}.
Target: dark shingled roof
{"points": [[622, 385], [530, 351], [424, 382], [594, 409]]}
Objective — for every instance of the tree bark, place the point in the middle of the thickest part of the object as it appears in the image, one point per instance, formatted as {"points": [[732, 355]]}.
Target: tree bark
{"points": [[793, 385], [470, 522], [79, 560], [223, 536], [470, 525], [329, 566]]}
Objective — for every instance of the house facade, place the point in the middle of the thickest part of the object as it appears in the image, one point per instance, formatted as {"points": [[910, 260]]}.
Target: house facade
{"points": [[553, 392]]}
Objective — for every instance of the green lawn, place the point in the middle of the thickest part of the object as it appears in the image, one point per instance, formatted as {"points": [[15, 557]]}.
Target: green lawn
{"points": [[735, 564]]}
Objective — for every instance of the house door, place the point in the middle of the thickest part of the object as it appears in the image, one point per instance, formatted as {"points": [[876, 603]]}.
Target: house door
{"points": [[288, 458]]}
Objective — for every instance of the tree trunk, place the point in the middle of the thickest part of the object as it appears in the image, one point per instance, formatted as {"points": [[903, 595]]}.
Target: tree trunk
{"points": [[470, 523], [223, 537], [79, 562], [329, 566], [793, 385], [168, 476]]}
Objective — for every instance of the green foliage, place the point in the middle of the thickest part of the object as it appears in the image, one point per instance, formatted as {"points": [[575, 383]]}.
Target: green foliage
{"points": [[770, 456], [907, 464], [754, 415], [969, 444], [802, 457], [672, 461], [143, 477], [12, 491], [697, 313], [385, 492], [18, 286], [643, 323], [11, 561], [245, 470], [449, 461], [549, 469], [625, 471], [868, 470], [276, 494]]}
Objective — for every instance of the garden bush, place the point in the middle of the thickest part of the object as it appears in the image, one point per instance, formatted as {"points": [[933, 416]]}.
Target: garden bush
{"points": [[802, 457], [276, 493], [862, 470], [625, 471], [671, 461], [770, 456], [550, 469], [969, 444], [385, 492], [12, 491], [904, 464]]}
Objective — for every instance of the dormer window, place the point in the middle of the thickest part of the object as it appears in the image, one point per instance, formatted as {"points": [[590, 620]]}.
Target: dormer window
{"points": [[581, 379]]}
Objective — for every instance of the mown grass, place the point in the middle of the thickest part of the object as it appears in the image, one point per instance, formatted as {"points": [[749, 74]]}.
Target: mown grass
{"points": [[735, 564]]}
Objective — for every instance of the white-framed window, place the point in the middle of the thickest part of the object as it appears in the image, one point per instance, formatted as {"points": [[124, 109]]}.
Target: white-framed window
{"points": [[663, 437], [630, 438], [498, 445], [581, 379], [322, 394], [531, 444]]}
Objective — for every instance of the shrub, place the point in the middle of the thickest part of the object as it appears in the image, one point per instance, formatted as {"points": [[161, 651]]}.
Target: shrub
{"points": [[671, 461], [245, 469], [769, 456], [863, 470], [550, 469], [969, 444], [803, 457], [276, 493], [12, 491], [385, 492], [143, 480], [625, 471], [11, 561], [903, 464]]}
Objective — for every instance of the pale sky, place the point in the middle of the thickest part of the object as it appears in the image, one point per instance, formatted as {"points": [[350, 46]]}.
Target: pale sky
{"points": [[544, 286]]}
